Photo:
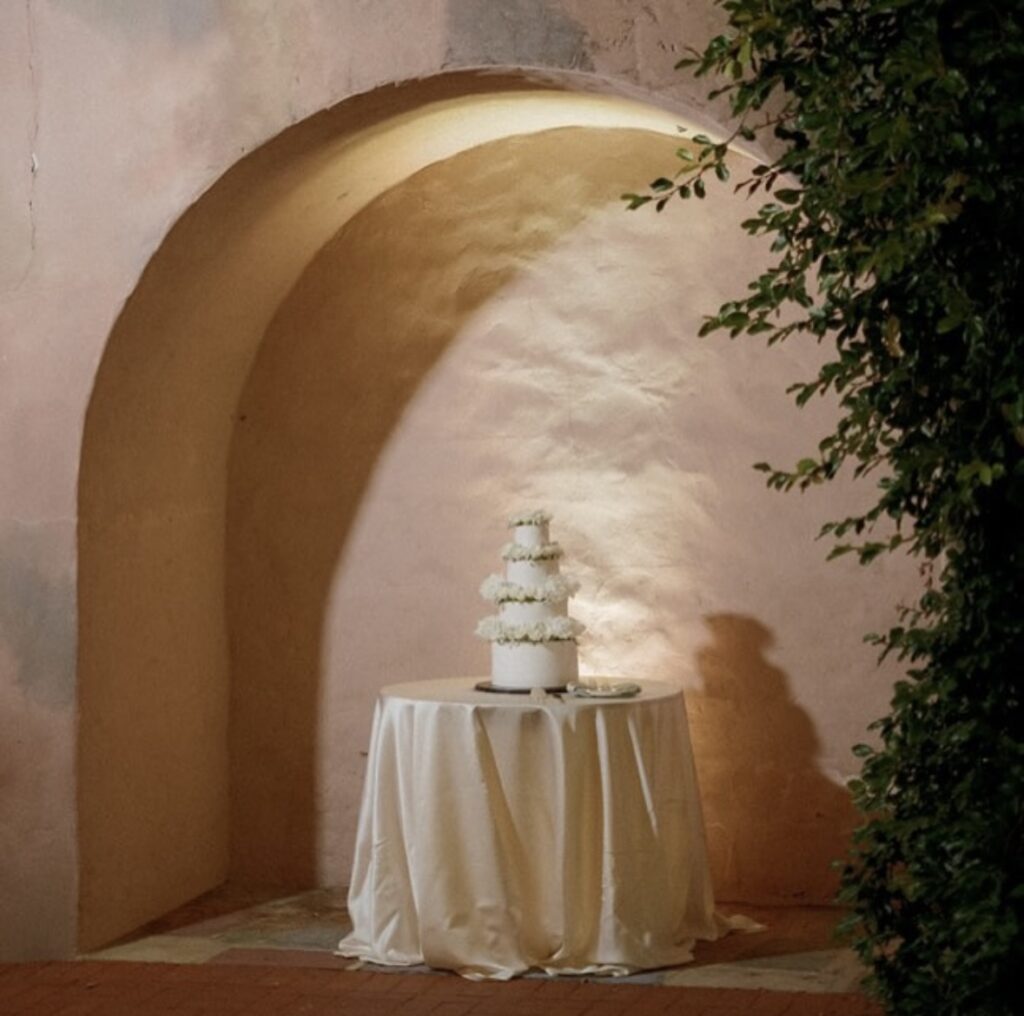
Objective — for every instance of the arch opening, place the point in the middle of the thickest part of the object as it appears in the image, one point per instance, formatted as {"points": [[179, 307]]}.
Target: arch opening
{"points": [[154, 654], [425, 305]]}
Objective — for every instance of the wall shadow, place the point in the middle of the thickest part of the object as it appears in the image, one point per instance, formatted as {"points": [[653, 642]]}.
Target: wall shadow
{"points": [[768, 808], [345, 353]]}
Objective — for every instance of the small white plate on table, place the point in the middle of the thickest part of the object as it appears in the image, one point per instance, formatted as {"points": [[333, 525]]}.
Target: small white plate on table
{"points": [[605, 690]]}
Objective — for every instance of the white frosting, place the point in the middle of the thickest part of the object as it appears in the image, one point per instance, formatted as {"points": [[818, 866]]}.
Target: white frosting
{"points": [[530, 611], [530, 573], [533, 664], [531, 536]]}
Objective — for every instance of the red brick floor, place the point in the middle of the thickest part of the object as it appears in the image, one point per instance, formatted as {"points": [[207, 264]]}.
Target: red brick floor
{"points": [[161, 989]]}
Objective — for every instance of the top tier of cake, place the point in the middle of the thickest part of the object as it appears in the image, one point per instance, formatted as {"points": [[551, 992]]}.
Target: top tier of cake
{"points": [[531, 534]]}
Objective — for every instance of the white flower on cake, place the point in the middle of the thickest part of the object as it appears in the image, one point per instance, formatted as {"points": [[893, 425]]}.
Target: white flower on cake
{"points": [[556, 589], [537, 518], [552, 629], [542, 552]]}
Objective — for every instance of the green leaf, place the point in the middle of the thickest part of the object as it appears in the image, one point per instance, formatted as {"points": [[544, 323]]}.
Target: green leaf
{"points": [[743, 57], [635, 201], [949, 322], [839, 550]]}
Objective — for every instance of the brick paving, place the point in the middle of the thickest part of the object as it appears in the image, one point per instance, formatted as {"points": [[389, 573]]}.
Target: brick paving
{"points": [[161, 989]]}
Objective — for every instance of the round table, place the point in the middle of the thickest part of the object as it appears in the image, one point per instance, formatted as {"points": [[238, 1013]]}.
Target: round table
{"points": [[499, 833]]}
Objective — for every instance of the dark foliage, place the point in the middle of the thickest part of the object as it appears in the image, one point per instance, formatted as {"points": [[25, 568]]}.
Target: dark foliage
{"points": [[896, 211]]}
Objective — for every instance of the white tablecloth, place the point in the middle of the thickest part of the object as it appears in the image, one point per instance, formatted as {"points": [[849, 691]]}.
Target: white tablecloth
{"points": [[499, 834]]}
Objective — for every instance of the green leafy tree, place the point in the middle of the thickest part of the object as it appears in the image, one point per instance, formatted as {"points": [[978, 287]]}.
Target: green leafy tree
{"points": [[895, 208]]}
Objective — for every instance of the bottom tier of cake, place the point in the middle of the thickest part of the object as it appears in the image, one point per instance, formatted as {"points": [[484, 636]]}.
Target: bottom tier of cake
{"points": [[534, 664]]}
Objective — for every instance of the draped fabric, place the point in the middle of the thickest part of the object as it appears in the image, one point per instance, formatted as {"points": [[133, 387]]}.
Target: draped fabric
{"points": [[499, 834]]}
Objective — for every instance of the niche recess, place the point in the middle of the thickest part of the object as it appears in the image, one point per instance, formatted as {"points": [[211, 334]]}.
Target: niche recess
{"points": [[197, 752]]}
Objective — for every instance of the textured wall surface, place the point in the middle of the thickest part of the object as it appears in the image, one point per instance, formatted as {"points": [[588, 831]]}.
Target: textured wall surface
{"points": [[117, 117], [442, 364]]}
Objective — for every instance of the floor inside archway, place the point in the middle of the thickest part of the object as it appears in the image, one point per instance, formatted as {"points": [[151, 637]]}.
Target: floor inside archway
{"points": [[796, 951]]}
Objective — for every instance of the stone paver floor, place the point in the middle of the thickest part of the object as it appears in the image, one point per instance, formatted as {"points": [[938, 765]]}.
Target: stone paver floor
{"points": [[100, 988], [243, 952], [795, 951]]}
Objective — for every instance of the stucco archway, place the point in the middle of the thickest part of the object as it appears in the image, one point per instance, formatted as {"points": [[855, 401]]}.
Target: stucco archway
{"points": [[247, 456], [154, 652]]}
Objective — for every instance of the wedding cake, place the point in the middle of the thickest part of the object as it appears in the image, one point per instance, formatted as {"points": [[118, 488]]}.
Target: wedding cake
{"points": [[533, 639]]}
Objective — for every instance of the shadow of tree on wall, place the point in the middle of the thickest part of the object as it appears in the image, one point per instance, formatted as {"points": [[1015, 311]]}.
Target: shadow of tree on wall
{"points": [[768, 807]]}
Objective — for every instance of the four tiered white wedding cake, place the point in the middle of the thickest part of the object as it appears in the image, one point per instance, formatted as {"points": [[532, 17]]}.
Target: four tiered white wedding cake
{"points": [[533, 640]]}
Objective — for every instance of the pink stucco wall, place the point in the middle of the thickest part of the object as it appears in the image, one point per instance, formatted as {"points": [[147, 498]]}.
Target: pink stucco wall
{"points": [[117, 117]]}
